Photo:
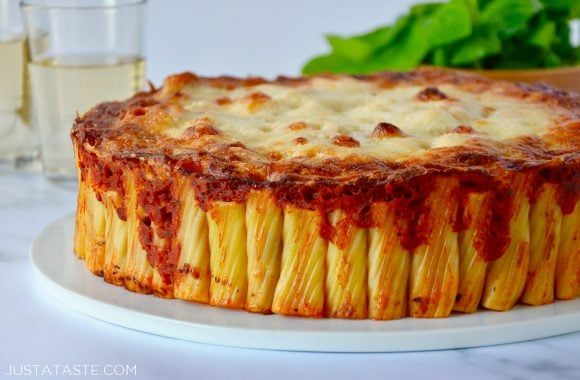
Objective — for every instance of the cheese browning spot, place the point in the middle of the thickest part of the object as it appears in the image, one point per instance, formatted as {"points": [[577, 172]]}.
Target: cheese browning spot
{"points": [[385, 129], [463, 129], [139, 112], [274, 156], [487, 111], [201, 127], [347, 141], [225, 100], [255, 100], [431, 93], [253, 81], [300, 140], [297, 126]]}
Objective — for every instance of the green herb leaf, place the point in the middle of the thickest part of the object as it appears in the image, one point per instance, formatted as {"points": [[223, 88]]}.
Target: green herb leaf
{"points": [[439, 57], [479, 45], [330, 63], [461, 33], [403, 53], [572, 6], [353, 49], [543, 36], [449, 22], [509, 16]]}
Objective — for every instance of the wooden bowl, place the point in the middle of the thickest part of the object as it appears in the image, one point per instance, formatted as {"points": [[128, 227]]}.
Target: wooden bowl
{"points": [[566, 78]]}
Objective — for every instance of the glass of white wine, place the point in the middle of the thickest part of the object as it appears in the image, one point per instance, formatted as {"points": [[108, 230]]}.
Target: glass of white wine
{"points": [[82, 52], [17, 141]]}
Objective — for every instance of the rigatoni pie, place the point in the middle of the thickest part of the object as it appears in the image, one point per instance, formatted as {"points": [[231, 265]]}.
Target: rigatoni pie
{"points": [[384, 196]]}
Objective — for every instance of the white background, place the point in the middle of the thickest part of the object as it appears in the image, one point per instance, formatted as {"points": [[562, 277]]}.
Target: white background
{"points": [[260, 37]]}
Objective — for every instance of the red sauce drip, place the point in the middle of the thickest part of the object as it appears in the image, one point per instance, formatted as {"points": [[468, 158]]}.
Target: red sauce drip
{"points": [[498, 237], [105, 178], [565, 176], [158, 202]]}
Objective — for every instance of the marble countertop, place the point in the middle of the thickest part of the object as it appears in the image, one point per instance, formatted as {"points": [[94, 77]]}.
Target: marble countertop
{"points": [[37, 330]]}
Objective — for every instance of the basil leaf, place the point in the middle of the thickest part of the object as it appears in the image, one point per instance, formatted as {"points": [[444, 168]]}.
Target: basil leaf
{"points": [[439, 57], [353, 49], [509, 16], [404, 53], [329, 63], [462, 33], [543, 36], [380, 37], [483, 43], [449, 23], [552, 60], [568, 5]]}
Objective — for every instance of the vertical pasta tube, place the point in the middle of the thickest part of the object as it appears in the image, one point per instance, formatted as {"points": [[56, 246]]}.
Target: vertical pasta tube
{"points": [[300, 289], [193, 276], [80, 230], [264, 247], [472, 268], [545, 228], [138, 271], [116, 241], [568, 262], [95, 229], [389, 265], [228, 259], [346, 276], [506, 276], [81, 220], [435, 265]]}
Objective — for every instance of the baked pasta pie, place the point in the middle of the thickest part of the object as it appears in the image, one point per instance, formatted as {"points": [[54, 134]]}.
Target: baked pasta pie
{"points": [[383, 196]]}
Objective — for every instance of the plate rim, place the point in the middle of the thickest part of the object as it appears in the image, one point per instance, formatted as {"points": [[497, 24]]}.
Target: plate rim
{"points": [[288, 339]]}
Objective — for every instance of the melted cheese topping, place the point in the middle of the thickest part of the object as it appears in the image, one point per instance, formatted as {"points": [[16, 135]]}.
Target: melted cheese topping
{"points": [[261, 117]]}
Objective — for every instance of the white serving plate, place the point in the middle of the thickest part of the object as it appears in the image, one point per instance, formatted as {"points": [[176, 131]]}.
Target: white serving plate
{"points": [[66, 279]]}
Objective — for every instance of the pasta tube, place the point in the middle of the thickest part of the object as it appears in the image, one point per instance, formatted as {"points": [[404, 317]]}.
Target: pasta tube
{"points": [[228, 260], [346, 277], [389, 265], [568, 262], [545, 227], [264, 247], [138, 271], [435, 265], [193, 275], [300, 289], [116, 242], [94, 245], [506, 276], [472, 268]]}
